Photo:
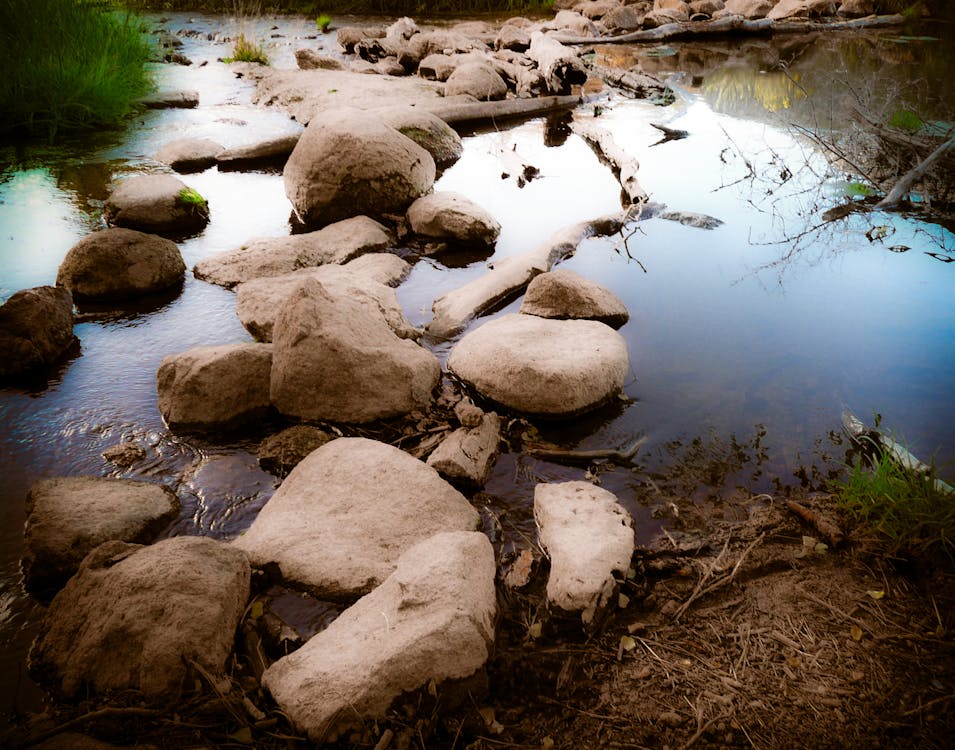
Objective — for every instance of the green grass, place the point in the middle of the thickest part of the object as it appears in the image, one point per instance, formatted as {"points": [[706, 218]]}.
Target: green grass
{"points": [[907, 508], [68, 65], [906, 119], [323, 22], [247, 50], [190, 197]]}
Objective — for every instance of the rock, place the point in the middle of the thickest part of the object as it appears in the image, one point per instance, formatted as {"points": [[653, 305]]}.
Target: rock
{"points": [[565, 294], [124, 454], [856, 8], [690, 219], [335, 359], [385, 268], [133, 618], [389, 66], [429, 131], [68, 517], [437, 41], [274, 151], [468, 414], [656, 18], [747, 8], [348, 163], [542, 367], [349, 36], [705, 7], [623, 18], [190, 154], [431, 620], [36, 329], [277, 256], [74, 741], [478, 80], [117, 264], [283, 451], [158, 203], [446, 215], [588, 536], [346, 513], [573, 23], [467, 455], [596, 9], [513, 37], [259, 301], [310, 60], [171, 100], [215, 387]]}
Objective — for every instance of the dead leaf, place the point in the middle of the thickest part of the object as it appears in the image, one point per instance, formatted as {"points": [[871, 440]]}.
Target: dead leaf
{"points": [[876, 594], [243, 735], [492, 724], [856, 632], [622, 601], [534, 631]]}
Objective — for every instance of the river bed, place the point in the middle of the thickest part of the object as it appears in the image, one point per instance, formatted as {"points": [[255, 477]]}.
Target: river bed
{"points": [[744, 351]]}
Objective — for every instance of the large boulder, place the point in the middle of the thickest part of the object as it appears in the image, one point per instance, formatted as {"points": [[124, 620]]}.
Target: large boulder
{"points": [[136, 618], [346, 513], [428, 130], [259, 301], [36, 328], [67, 517], [476, 79], [334, 358], [215, 387], [588, 536], [190, 154], [348, 163], [540, 366], [446, 215], [430, 620], [158, 203], [565, 294], [276, 256], [118, 264]]}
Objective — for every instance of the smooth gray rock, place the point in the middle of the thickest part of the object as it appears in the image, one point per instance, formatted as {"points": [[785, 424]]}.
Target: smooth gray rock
{"points": [[190, 154], [588, 536], [155, 203], [36, 328], [447, 215], [215, 387], [67, 517], [346, 513], [335, 358], [542, 367], [119, 264], [133, 618], [565, 294]]}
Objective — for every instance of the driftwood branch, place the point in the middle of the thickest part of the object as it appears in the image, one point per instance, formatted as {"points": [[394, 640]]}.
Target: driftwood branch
{"points": [[902, 187], [558, 455], [621, 163], [560, 65], [825, 527], [732, 25]]}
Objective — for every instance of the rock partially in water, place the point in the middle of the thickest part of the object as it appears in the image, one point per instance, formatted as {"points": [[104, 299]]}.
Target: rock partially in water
{"points": [[271, 152], [588, 536], [190, 154], [120, 264], [479, 80], [430, 620], [124, 454], [468, 454], [565, 294], [429, 131], [447, 215], [283, 451], [36, 329], [215, 387], [348, 163], [543, 367], [68, 517], [346, 513], [157, 203], [385, 268], [337, 359], [135, 618], [171, 100]]}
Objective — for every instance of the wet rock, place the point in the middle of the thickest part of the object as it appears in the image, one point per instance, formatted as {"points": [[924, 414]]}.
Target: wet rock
{"points": [[385, 268], [36, 329], [310, 60], [68, 517], [429, 131], [468, 454], [134, 618], [346, 513], [118, 264], [432, 619], [171, 100], [750, 9], [479, 80], [190, 154], [215, 387], [124, 454], [259, 301], [336, 359], [588, 536], [271, 152], [446, 215], [349, 163], [158, 203], [283, 451], [276, 256], [541, 366], [565, 294]]}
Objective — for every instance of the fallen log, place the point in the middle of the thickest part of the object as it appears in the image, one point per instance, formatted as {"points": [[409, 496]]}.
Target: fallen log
{"points": [[561, 456], [637, 85], [620, 162], [455, 113], [732, 25], [902, 187], [560, 65]]}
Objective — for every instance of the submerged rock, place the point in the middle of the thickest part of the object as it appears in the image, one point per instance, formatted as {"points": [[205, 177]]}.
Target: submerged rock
{"points": [[135, 618], [158, 203], [346, 513], [283, 451], [541, 366], [565, 294], [432, 619], [588, 536], [67, 517], [36, 329]]}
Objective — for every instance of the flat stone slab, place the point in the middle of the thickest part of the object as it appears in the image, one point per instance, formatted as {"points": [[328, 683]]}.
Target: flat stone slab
{"points": [[541, 366], [431, 619], [272, 151], [347, 512]]}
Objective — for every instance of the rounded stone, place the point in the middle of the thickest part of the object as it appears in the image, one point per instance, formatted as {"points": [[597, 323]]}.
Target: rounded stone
{"points": [[36, 328], [157, 203]]}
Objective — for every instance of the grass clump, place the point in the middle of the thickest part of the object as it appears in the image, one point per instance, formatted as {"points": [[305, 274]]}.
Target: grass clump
{"points": [[68, 65], [323, 22], [247, 50]]}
